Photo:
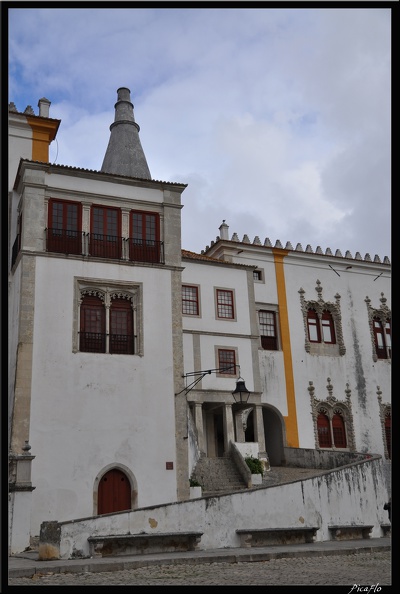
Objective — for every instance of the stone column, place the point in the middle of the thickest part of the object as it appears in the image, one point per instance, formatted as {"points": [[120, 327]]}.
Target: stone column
{"points": [[259, 433], [125, 233], [198, 419], [240, 435], [229, 432]]}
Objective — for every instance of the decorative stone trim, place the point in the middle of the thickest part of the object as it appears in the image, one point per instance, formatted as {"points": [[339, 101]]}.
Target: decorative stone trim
{"points": [[278, 244], [385, 410], [320, 305], [383, 314], [19, 470], [331, 406], [107, 291]]}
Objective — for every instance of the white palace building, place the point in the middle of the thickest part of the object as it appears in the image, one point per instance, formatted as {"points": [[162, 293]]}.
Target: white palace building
{"points": [[130, 359]]}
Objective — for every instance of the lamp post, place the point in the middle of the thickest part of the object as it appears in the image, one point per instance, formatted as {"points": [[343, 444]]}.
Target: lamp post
{"points": [[240, 393]]}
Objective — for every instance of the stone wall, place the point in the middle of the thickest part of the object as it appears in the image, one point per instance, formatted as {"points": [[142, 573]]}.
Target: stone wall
{"points": [[351, 495]]}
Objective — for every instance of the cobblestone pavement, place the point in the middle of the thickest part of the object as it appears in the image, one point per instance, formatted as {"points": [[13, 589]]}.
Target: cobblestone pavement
{"points": [[361, 569]]}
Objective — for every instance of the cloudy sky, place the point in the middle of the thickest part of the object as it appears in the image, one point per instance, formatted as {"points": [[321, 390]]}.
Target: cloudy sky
{"points": [[279, 120]]}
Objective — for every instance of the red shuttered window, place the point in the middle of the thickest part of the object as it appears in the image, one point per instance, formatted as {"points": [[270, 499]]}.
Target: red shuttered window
{"points": [[324, 431]]}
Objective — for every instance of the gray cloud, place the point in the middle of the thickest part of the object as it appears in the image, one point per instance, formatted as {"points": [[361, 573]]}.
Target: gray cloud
{"points": [[278, 119]]}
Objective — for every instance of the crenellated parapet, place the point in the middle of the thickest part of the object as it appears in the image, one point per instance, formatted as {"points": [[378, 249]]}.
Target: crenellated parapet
{"points": [[299, 248]]}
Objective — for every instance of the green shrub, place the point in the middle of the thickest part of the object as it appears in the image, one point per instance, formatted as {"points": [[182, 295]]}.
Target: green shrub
{"points": [[194, 483], [254, 464]]}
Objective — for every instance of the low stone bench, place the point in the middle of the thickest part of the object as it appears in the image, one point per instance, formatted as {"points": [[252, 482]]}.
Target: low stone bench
{"points": [[261, 537], [349, 532], [386, 529], [140, 544]]}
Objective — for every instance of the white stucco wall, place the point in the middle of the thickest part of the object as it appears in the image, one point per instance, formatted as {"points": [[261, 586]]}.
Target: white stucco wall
{"points": [[19, 144], [216, 332], [101, 186], [91, 410], [356, 367], [356, 280], [336, 498]]}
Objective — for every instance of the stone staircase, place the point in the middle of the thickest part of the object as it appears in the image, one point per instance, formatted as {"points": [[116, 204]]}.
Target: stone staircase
{"points": [[218, 476]]}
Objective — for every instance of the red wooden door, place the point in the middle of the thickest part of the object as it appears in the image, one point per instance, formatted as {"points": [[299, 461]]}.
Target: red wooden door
{"points": [[114, 492]]}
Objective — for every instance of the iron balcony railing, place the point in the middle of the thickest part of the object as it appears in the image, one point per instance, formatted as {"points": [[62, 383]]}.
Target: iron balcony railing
{"points": [[96, 342], [64, 241], [145, 250], [92, 342], [97, 245], [105, 246]]}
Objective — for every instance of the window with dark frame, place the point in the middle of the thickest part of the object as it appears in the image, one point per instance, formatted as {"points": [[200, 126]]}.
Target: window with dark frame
{"points": [[324, 431], [321, 330], [93, 334], [339, 432], [328, 328], [268, 330], [225, 308], [331, 433], [383, 338], [121, 327], [144, 242], [314, 332], [227, 361], [257, 275], [64, 227], [105, 236], [190, 300]]}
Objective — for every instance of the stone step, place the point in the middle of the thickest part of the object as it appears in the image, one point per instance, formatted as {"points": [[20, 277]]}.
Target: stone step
{"points": [[218, 475]]}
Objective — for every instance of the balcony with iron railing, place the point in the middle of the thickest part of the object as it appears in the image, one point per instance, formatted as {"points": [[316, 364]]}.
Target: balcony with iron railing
{"points": [[115, 344], [63, 241]]}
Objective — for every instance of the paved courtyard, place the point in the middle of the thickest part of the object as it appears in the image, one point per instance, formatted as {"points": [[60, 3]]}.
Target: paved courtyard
{"points": [[355, 570]]}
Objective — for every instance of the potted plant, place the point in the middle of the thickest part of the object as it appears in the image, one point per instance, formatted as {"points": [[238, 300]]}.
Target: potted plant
{"points": [[195, 489], [256, 469]]}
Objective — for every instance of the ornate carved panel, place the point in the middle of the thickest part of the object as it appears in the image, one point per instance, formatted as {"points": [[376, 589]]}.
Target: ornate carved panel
{"points": [[383, 314], [331, 406], [320, 306]]}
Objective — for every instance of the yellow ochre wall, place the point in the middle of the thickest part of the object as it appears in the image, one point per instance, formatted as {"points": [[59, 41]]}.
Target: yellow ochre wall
{"points": [[43, 133], [292, 435]]}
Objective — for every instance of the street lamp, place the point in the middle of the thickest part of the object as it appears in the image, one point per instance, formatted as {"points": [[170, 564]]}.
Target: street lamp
{"points": [[240, 393]]}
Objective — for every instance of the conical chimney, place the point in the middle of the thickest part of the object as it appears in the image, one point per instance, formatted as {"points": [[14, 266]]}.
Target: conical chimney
{"points": [[124, 155]]}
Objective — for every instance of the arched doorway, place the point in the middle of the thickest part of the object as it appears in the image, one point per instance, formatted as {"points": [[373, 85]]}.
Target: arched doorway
{"points": [[275, 438], [114, 493]]}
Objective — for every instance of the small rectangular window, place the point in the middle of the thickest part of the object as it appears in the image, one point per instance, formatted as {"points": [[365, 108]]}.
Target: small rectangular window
{"points": [[227, 361], [190, 300], [268, 332], [314, 330], [225, 308], [257, 275]]}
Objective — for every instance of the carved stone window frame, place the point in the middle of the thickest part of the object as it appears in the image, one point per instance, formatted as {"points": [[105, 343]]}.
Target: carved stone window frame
{"points": [[107, 290], [331, 406], [320, 306], [383, 314]]}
